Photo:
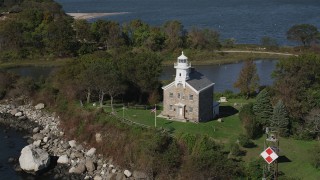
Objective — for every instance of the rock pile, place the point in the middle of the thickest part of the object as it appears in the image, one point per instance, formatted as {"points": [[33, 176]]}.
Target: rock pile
{"points": [[47, 139]]}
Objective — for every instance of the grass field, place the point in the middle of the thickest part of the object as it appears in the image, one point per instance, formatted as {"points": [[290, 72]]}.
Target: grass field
{"points": [[226, 132]]}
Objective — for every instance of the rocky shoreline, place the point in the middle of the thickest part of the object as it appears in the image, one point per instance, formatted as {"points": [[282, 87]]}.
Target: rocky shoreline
{"points": [[68, 158]]}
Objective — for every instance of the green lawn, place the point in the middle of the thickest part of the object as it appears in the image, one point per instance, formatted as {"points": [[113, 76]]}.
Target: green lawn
{"points": [[226, 132], [296, 151]]}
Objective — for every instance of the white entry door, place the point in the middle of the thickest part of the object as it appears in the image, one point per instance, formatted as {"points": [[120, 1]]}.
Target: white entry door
{"points": [[180, 111]]}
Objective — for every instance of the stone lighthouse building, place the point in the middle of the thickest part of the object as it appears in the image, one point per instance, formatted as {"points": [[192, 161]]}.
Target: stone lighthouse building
{"points": [[190, 96]]}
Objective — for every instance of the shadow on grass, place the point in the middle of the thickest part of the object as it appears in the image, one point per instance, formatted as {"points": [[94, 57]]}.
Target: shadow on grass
{"points": [[250, 145], [283, 159], [226, 111]]}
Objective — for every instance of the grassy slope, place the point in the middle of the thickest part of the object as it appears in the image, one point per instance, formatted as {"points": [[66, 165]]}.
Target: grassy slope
{"points": [[227, 132]]}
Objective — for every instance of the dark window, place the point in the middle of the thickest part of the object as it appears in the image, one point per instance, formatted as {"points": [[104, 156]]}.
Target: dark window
{"points": [[170, 107], [171, 95], [179, 95], [190, 109], [190, 97]]}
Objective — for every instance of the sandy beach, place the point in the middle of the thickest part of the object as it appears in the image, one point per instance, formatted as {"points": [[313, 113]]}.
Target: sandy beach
{"points": [[93, 15]]}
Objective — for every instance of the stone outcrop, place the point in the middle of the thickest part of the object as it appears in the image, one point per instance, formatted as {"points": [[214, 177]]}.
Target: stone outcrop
{"points": [[33, 158]]}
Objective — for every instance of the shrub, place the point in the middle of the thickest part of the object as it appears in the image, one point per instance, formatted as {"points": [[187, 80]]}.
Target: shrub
{"points": [[252, 128], [254, 169], [236, 151], [244, 141]]}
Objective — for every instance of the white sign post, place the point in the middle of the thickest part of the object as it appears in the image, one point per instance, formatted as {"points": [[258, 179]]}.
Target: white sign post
{"points": [[269, 155]]}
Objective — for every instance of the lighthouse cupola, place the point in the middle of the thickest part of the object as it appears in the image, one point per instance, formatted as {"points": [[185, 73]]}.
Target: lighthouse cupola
{"points": [[182, 70]]}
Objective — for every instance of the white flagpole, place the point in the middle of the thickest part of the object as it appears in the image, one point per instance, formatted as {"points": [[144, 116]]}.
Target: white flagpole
{"points": [[155, 115]]}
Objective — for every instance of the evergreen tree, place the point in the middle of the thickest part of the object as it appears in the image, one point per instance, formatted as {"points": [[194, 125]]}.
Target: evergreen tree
{"points": [[280, 119], [263, 108], [253, 129]]}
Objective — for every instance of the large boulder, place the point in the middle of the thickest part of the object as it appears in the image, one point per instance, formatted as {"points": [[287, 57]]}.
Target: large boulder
{"points": [[33, 158], [127, 173], [63, 159], [90, 165], [72, 143], [37, 136], [91, 152], [18, 114], [14, 111], [39, 106], [79, 169]]}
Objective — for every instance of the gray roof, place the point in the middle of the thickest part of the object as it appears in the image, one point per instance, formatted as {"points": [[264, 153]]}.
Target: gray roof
{"points": [[198, 81]]}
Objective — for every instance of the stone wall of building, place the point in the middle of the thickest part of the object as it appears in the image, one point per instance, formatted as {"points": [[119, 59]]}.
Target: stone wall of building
{"points": [[206, 105], [184, 99]]}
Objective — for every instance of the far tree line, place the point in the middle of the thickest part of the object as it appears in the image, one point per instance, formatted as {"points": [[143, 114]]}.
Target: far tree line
{"points": [[35, 29]]}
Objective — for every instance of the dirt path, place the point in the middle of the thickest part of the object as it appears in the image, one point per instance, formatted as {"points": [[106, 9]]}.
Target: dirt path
{"points": [[257, 52]]}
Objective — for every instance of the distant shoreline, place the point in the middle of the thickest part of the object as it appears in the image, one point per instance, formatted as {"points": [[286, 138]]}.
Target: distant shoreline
{"points": [[88, 16]]}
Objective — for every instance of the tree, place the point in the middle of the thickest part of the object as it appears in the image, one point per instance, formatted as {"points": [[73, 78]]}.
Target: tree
{"points": [[148, 70], [252, 128], [82, 29], [201, 39], [248, 80], [156, 39], [174, 34], [10, 35], [141, 70], [262, 108], [102, 75], [269, 43], [59, 36], [313, 121], [296, 83], [280, 119], [304, 33], [107, 34]]}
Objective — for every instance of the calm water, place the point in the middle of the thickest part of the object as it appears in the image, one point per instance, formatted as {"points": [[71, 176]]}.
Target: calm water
{"points": [[245, 20], [11, 145], [32, 71], [225, 75], [222, 75]]}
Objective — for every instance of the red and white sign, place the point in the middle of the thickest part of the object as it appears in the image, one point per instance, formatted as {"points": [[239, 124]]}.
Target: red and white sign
{"points": [[269, 155]]}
